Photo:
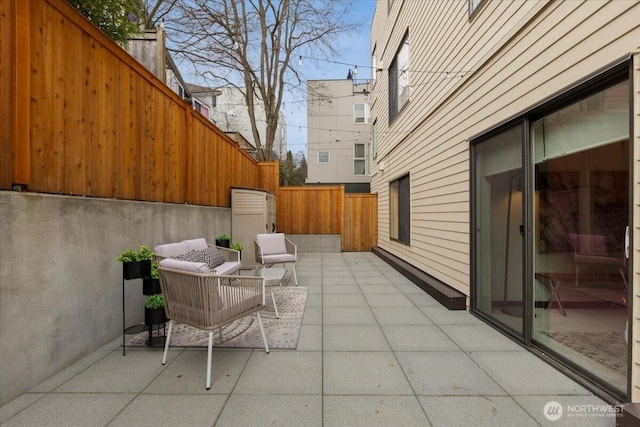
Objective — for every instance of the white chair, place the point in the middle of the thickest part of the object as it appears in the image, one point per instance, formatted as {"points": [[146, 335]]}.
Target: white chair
{"points": [[275, 248], [196, 297]]}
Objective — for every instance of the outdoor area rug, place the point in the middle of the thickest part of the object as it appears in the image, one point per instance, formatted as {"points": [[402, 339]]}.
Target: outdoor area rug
{"points": [[281, 333], [606, 348]]}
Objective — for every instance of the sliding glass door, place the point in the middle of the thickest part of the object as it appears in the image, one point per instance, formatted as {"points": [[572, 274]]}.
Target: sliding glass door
{"points": [[581, 213], [550, 229], [498, 225]]}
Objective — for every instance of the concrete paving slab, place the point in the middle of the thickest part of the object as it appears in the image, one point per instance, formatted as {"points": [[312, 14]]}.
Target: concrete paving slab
{"points": [[363, 373], [446, 373], [442, 316], [476, 411], [344, 301], [479, 338], [272, 410], [522, 373], [119, 374], [366, 411], [348, 316], [576, 411], [400, 316], [72, 409], [282, 372], [417, 338], [171, 410], [353, 338], [73, 370], [339, 289], [186, 374], [376, 300], [312, 315], [310, 338]]}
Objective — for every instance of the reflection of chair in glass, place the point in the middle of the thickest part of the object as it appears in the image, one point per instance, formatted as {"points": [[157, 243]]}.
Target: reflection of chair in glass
{"points": [[198, 298], [275, 248], [591, 249]]}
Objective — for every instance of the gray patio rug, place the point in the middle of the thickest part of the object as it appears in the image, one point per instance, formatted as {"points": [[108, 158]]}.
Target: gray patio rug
{"points": [[281, 333]]}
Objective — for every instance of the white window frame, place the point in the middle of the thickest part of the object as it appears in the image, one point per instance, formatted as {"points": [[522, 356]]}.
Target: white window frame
{"points": [[399, 83], [320, 155], [374, 66], [364, 116], [362, 158], [474, 5]]}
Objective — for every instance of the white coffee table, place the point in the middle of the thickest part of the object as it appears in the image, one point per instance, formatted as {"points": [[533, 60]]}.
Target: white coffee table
{"points": [[273, 277]]}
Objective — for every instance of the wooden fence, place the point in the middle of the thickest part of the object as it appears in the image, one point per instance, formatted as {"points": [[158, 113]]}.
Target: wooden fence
{"points": [[85, 118], [328, 210]]}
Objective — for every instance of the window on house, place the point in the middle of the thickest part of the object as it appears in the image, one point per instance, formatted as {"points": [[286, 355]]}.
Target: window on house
{"points": [[360, 113], [359, 159], [399, 79], [399, 209], [374, 66], [374, 138], [473, 6], [323, 157]]}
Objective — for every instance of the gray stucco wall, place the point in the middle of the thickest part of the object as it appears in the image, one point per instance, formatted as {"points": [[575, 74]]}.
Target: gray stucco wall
{"points": [[60, 283]]}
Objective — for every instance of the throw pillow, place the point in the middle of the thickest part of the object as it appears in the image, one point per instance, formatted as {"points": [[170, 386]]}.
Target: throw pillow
{"points": [[213, 257], [192, 256]]}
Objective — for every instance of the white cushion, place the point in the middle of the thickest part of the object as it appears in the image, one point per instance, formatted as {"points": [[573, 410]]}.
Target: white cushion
{"points": [[228, 267], [193, 267], [272, 243], [278, 258], [196, 244], [171, 249]]}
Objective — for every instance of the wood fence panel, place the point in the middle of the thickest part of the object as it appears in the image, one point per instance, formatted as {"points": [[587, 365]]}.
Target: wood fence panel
{"points": [[360, 226], [310, 210], [97, 123], [7, 19]]}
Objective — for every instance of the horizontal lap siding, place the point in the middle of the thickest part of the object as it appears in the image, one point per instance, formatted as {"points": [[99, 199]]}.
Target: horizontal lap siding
{"points": [[429, 138]]}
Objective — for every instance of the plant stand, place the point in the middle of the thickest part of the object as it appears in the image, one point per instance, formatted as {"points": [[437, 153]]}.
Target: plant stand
{"points": [[155, 317], [140, 269]]}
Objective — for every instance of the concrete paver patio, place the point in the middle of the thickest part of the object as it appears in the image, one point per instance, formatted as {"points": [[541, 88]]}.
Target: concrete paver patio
{"points": [[374, 349]]}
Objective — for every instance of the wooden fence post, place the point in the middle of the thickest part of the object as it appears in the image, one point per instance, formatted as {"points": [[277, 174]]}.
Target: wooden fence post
{"points": [[21, 93]]}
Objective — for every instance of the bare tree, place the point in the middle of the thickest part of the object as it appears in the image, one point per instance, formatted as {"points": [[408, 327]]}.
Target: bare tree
{"points": [[254, 45], [153, 12]]}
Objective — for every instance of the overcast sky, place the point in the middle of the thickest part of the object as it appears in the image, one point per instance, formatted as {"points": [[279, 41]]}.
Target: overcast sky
{"points": [[354, 49]]}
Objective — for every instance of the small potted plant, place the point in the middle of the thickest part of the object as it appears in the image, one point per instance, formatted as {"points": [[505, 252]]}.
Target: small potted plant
{"points": [[237, 247], [223, 240], [151, 284], [136, 264], [154, 310]]}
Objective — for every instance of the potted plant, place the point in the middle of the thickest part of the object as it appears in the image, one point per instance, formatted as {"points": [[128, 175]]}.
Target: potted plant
{"points": [[237, 247], [154, 310], [136, 264], [151, 284], [223, 240]]}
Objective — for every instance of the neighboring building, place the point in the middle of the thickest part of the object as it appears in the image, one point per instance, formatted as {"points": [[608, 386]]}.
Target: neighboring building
{"points": [[506, 161], [232, 115], [150, 50], [338, 133], [204, 100]]}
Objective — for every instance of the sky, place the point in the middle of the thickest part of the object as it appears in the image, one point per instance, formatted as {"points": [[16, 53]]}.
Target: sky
{"points": [[352, 49]]}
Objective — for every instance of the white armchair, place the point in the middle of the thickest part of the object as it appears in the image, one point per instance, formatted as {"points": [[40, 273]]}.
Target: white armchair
{"points": [[195, 296], [275, 248]]}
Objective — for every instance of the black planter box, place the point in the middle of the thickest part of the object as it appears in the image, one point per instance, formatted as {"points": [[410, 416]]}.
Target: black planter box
{"points": [[136, 269], [223, 243], [154, 316], [151, 286]]}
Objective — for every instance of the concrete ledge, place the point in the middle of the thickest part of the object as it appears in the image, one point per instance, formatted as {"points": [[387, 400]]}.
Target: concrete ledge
{"points": [[443, 293]]}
